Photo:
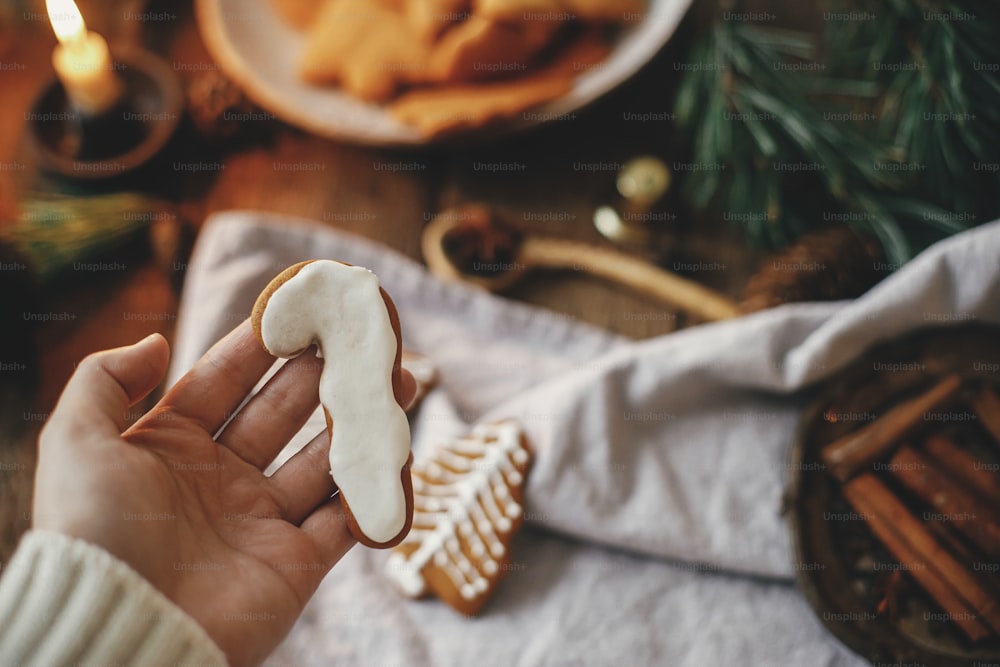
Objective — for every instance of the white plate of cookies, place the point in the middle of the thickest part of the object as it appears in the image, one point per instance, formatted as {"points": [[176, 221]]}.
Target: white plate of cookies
{"points": [[413, 72]]}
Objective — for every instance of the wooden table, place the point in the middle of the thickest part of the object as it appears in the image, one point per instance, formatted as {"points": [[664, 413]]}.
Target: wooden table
{"points": [[393, 208]]}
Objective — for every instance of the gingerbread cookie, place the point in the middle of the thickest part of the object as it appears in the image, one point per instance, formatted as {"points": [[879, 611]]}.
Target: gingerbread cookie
{"points": [[430, 18], [446, 66], [468, 507], [297, 13], [438, 111], [580, 10], [353, 322], [366, 46], [481, 48], [606, 10]]}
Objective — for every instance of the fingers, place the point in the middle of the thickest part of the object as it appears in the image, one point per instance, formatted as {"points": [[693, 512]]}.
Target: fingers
{"points": [[329, 538], [211, 391], [405, 389], [304, 481], [266, 424], [105, 384], [276, 413], [327, 527]]}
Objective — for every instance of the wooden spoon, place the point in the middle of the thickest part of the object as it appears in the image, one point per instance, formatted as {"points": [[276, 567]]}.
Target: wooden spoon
{"points": [[465, 244]]}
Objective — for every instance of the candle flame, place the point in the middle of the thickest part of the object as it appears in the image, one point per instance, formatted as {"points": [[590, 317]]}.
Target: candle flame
{"points": [[67, 22]]}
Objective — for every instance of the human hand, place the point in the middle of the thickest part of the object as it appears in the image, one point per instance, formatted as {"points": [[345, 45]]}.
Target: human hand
{"points": [[193, 513]]}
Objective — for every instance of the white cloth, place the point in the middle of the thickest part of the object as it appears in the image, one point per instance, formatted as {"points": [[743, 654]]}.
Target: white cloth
{"points": [[660, 464]]}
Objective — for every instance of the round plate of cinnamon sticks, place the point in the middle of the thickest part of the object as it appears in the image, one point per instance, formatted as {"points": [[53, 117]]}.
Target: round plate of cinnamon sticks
{"points": [[894, 503]]}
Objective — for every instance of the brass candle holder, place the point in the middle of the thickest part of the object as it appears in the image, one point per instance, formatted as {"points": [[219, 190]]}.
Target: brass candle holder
{"points": [[82, 147]]}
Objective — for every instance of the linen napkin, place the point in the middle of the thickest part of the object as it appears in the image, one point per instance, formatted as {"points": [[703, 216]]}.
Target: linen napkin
{"points": [[654, 530]]}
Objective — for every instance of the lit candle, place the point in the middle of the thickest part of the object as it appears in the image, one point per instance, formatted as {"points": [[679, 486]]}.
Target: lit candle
{"points": [[82, 60]]}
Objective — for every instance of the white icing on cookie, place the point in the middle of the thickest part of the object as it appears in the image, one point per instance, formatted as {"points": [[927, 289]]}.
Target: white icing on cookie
{"points": [[340, 308], [457, 493]]}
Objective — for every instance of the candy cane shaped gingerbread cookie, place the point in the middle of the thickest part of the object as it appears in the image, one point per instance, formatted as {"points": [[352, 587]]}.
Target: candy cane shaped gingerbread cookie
{"points": [[353, 322]]}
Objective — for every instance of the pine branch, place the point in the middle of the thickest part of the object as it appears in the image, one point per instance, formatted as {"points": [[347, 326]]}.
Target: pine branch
{"points": [[775, 146], [53, 232], [941, 104]]}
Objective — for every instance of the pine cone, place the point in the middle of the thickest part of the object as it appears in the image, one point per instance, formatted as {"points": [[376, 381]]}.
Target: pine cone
{"points": [[219, 109], [826, 265]]}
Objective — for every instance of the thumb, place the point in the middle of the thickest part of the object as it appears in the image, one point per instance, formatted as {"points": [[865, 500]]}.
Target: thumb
{"points": [[106, 383]]}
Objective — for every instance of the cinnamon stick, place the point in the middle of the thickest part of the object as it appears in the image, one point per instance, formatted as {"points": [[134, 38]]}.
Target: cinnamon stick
{"points": [[949, 500], [952, 542], [979, 476], [953, 586], [847, 455], [966, 554], [987, 407]]}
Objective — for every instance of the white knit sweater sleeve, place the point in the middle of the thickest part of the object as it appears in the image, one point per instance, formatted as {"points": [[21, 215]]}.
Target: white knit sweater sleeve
{"points": [[66, 602]]}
